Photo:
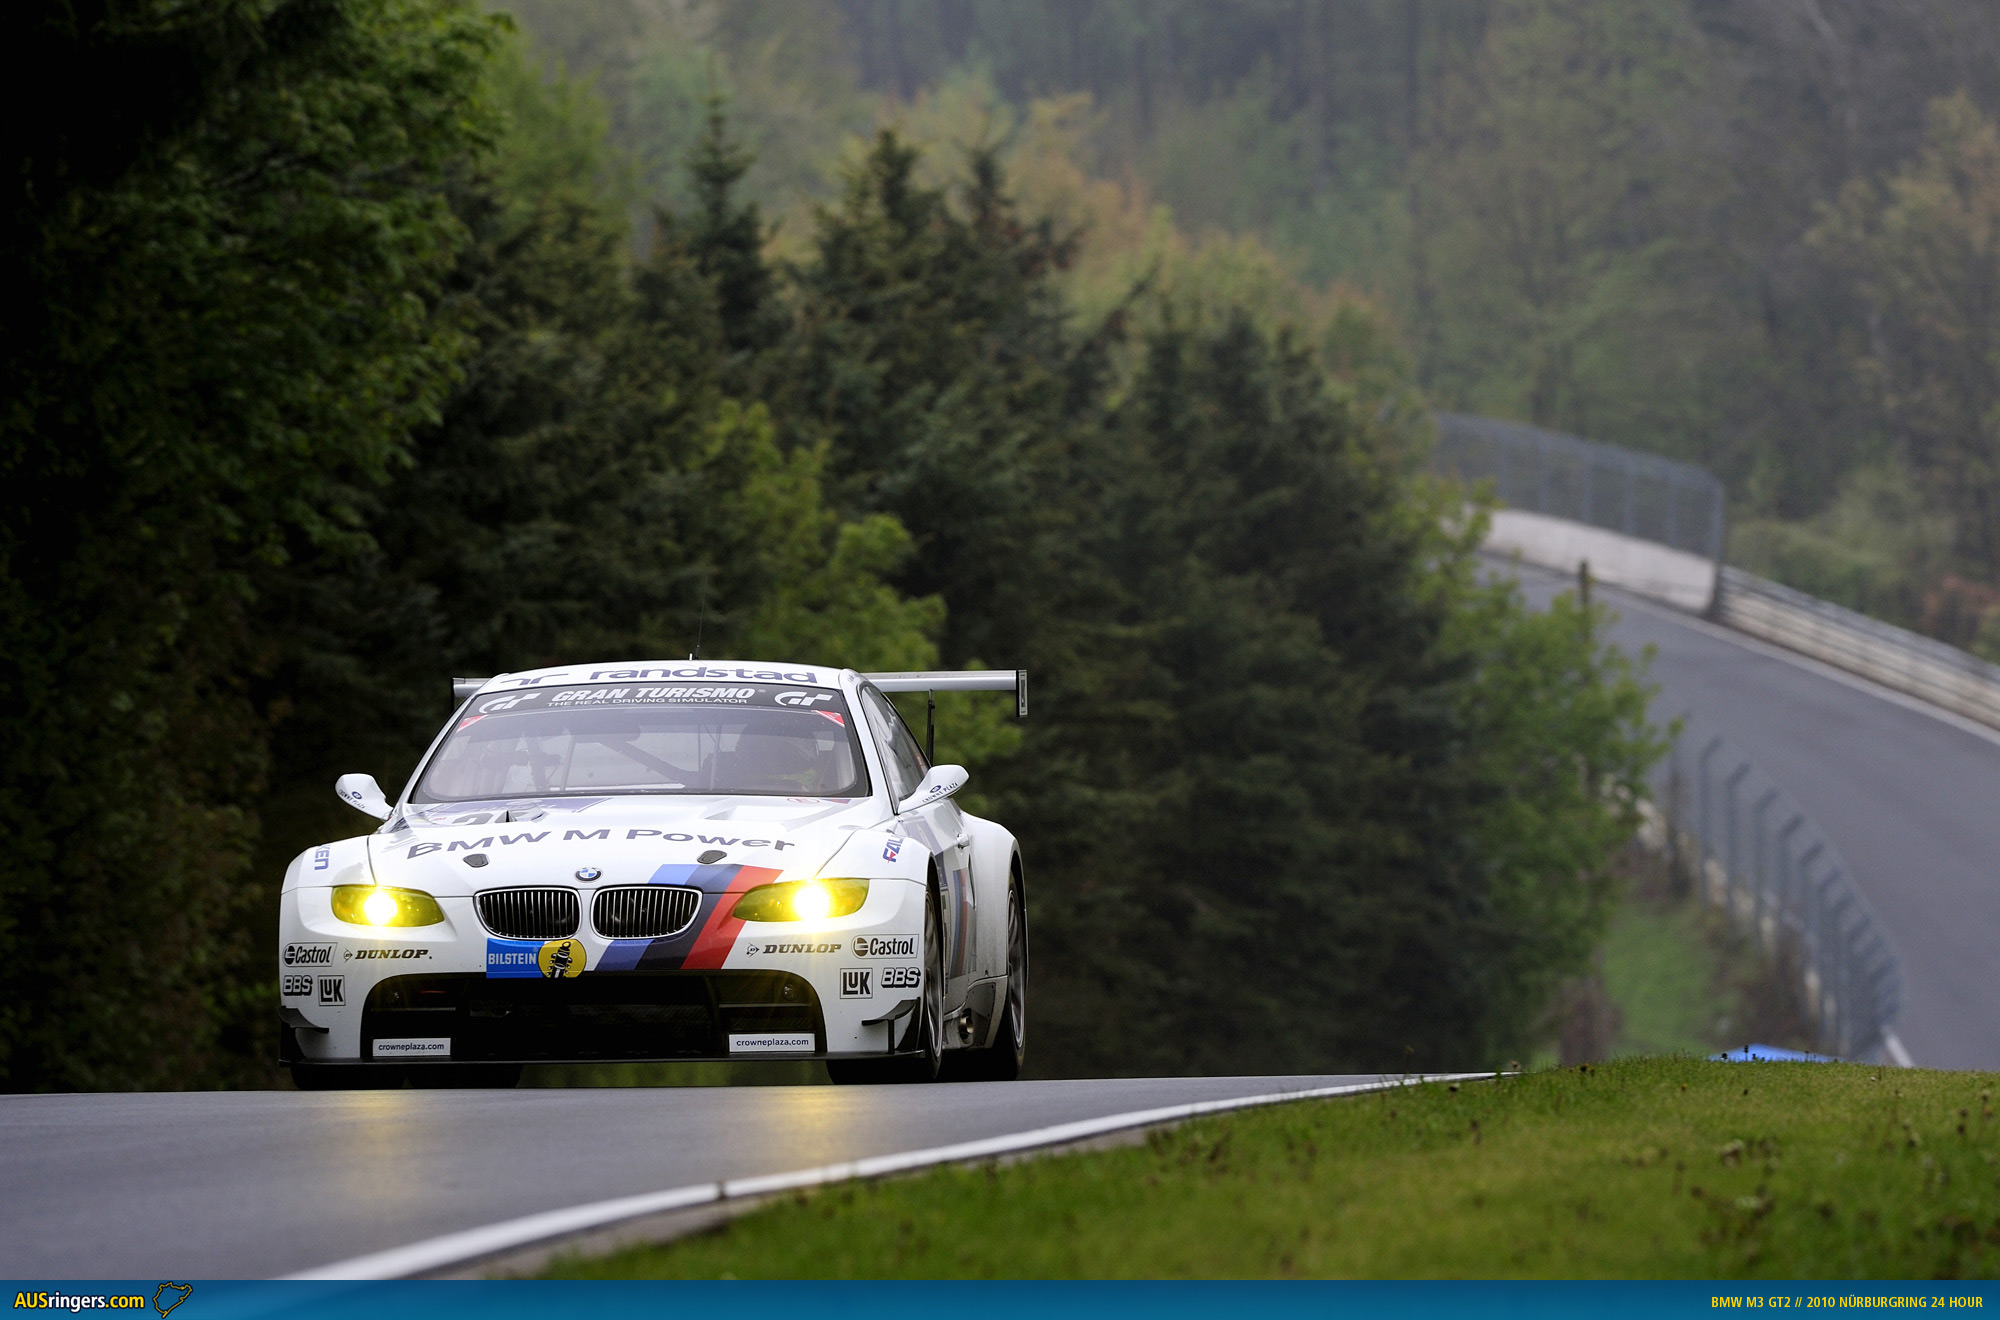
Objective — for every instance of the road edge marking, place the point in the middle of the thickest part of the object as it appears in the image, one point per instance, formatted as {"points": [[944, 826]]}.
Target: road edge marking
{"points": [[470, 1244]]}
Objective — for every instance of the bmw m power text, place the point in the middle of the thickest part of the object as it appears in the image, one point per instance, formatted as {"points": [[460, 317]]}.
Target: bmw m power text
{"points": [[663, 861]]}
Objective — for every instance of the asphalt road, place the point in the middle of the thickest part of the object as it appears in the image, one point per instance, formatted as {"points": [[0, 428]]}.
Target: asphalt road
{"points": [[251, 1184], [1909, 796]]}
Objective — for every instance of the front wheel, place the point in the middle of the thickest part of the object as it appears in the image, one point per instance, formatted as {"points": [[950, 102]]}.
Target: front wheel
{"points": [[926, 1029], [1002, 1060]]}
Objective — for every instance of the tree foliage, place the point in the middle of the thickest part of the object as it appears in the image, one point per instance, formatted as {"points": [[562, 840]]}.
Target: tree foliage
{"points": [[347, 370], [1605, 219], [1288, 750], [224, 275]]}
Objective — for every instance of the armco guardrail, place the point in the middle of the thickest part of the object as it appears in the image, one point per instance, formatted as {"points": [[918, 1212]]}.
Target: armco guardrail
{"points": [[1749, 850], [1896, 658], [1562, 476], [1644, 499]]}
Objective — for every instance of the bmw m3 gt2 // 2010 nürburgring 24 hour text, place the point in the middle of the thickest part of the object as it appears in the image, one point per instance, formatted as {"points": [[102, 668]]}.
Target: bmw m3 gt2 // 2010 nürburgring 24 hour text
{"points": [[695, 860]]}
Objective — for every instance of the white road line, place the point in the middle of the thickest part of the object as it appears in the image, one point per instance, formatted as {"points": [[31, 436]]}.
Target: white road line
{"points": [[472, 1243]]}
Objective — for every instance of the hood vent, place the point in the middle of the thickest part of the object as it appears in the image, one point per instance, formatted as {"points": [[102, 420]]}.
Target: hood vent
{"points": [[529, 914], [640, 912]]}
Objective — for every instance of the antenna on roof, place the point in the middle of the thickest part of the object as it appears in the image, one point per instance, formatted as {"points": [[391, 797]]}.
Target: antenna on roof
{"points": [[701, 622]]}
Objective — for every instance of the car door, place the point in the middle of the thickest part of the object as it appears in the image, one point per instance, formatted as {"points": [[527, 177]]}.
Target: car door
{"points": [[940, 827]]}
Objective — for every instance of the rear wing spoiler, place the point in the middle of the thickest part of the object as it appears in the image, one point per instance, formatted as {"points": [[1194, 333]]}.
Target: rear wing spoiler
{"points": [[959, 680]]}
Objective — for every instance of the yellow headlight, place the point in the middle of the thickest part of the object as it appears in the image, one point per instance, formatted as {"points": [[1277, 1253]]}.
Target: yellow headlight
{"points": [[372, 905], [802, 900]]}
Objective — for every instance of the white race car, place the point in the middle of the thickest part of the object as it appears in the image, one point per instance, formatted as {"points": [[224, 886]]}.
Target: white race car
{"points": [[688, 860]]}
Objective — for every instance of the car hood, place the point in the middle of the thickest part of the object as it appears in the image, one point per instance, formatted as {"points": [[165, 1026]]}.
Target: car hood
{"points": [[461, 847]]}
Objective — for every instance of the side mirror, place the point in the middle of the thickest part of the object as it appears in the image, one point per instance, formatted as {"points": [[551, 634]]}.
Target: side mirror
{"points": [[363, 794], [939, 784]]}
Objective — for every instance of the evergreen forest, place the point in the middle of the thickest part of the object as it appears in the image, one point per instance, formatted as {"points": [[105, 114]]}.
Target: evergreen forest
{"points": [[356, 344]]}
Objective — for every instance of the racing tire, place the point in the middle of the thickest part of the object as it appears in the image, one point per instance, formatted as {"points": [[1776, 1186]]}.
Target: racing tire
{"points": [[1002, 1060], [466, 1076], [345, 1077], [927, 1031]]}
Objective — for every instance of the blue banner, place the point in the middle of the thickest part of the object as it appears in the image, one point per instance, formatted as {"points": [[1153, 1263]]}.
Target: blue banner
{"points": [[968, 1300]]}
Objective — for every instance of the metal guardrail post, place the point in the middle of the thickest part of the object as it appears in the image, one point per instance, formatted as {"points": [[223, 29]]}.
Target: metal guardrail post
{"points": [[1787, 864], [1800, 905], [1759, 902], [1732, 868], [1707, 821]]}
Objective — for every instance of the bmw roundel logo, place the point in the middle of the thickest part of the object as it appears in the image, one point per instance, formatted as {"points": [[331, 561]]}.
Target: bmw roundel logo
{"points": [[587, 873]]}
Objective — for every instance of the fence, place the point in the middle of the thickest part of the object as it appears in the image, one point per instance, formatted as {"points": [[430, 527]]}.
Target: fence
{"points": [[1749, 850], [1640, 495]]}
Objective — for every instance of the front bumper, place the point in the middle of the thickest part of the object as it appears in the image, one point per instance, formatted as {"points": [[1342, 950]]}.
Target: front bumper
{"points": [[453, 992]]}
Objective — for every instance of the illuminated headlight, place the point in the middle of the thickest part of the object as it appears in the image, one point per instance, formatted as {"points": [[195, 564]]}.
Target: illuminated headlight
{"points": [[372, 905], [802, 900]]}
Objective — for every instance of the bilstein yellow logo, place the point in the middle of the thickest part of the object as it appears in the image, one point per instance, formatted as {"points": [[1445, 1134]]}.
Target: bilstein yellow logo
{"points": [[561, 959]]}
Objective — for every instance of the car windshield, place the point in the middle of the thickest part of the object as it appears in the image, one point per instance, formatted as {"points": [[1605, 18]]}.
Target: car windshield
{"points": [[761, 738]]}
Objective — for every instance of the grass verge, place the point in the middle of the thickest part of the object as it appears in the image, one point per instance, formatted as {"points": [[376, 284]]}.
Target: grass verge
{"points": [[1644, 1168]]}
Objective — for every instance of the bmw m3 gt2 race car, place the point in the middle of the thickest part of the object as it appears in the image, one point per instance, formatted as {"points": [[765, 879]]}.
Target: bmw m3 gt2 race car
{"points": [[693, 860]]}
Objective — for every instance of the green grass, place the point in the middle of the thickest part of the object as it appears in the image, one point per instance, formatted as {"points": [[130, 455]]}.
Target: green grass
{"points": [[1643, 1168], [1661, 973]]}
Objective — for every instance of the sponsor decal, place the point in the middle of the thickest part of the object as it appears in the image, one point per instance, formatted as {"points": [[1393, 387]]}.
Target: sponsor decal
{"points": [[509, 840], [333, 991], [710, 839], [295, 985], [837, 718], [902, 978], [169, 1295], [774, 946], [770, 1042], [413, 1047], [322, 858], [507, 702], [857, 982], [561, 960], [309, 955], [764, 688], [552, 960], [704, 671], [891, 849], [367, 955], [885, 946]]}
